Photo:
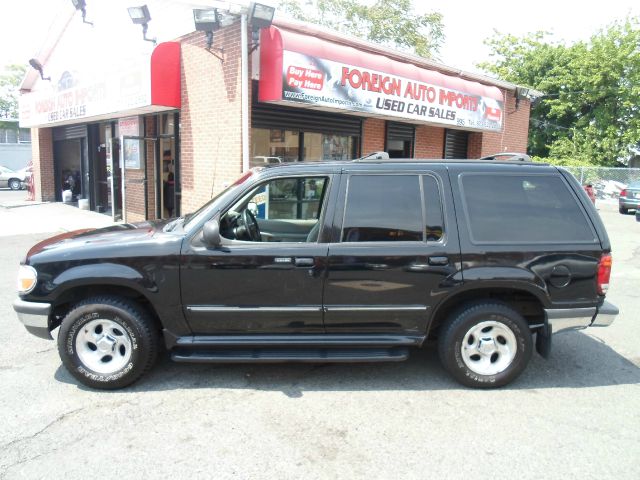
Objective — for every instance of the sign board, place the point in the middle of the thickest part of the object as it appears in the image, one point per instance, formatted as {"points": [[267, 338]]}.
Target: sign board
{"points": [[129, 126], [117, 91], [132, 153], [325, 83]]}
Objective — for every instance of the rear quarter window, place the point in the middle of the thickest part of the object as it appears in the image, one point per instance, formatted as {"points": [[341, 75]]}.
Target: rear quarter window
{"points": [[523, 209]]}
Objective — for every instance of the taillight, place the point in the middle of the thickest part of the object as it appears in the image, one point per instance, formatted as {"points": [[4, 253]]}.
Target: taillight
{"points": [[604, 273], [623, 193]]}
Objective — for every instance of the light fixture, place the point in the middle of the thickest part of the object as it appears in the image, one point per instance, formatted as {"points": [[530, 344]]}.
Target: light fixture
{"points": [[141, 16], [208, 21], [522, 93], [81, 5], [260, 16], [36, 65]]}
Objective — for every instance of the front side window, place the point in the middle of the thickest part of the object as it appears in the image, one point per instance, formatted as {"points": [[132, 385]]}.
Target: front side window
{"points": [[383, 208], [282, 209], [505, 208]]}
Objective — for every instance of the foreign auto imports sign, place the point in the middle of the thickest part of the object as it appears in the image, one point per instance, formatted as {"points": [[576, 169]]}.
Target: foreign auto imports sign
{"points": [[316, 81]]}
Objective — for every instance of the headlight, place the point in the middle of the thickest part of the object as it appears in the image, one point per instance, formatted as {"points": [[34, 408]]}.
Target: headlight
{"points": [[27, 279]]}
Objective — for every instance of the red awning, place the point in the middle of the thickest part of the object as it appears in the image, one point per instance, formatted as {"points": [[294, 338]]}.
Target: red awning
{"points": [[274, 41], [165, 75]]}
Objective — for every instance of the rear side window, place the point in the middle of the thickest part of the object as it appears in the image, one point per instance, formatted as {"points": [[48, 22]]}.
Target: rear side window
{"points": [[433, 209], [383, 208], [505, 208]]}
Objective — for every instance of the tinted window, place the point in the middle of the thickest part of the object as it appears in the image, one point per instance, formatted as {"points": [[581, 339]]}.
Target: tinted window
{"points": [[433, 209], [523, 209], [383, 208]]}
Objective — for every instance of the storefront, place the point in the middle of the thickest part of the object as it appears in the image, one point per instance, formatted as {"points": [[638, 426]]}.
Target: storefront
{"points": [[160, 137], [114, 140]]}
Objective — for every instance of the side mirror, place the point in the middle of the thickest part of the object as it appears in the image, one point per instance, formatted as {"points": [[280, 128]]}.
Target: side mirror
{"points": [[211, 233]]}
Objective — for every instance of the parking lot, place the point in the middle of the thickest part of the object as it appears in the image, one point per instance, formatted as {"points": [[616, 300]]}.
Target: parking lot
{"points": [[575, 415]]}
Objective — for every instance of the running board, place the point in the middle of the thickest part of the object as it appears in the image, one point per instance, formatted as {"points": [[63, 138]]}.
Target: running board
{"points": [[319, 340], [283, 355]]}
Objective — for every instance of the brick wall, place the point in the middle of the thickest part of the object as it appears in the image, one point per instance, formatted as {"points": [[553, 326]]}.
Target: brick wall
{"points": [[514, 135], [373, 135], [43, 171], [210, 133], [429, 141], [135, 185]]}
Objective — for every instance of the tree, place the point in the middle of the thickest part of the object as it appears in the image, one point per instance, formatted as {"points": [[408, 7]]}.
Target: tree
{"points": [[9, 83], [394, 24], [591, 107]]}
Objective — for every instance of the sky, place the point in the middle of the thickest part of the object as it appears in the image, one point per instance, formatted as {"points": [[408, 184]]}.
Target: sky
{"points": [[23, 25]]}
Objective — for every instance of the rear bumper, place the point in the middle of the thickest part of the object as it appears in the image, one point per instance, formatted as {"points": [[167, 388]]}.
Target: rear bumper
{"points": [[34, 316], [607, 313], [629, 202], [573, 318]]}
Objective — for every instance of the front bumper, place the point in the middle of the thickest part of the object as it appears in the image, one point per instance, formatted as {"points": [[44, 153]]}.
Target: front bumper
{"points": [[573, 318], [34, 316]]}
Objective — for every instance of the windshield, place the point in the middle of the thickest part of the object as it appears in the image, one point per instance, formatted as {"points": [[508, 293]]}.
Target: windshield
{"points": [[196, 217]]}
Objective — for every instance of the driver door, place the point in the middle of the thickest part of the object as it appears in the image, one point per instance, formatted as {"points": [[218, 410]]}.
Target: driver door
{"points": [[273, 285]]}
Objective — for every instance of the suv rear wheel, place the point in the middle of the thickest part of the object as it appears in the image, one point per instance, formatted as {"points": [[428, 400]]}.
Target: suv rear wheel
{"points": [[485, 344], [107, 342]]}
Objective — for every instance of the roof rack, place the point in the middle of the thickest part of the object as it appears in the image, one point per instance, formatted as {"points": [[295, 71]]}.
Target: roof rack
{"points": [[373, 156], [523, 157]]}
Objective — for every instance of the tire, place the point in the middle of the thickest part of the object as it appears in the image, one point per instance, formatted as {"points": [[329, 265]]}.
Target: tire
{"points": [[492, 361], [623, 210], [108, 342], [15, 184]]}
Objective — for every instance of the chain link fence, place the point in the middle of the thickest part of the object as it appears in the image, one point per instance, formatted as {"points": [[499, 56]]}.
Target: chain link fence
{"points": [[606, 182]]}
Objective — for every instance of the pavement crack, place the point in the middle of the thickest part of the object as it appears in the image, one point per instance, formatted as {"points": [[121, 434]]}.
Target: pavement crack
{"points": [[57, 420]]}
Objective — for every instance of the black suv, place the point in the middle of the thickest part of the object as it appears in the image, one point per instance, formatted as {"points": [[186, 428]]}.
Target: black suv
{"points": [[333, 262]]}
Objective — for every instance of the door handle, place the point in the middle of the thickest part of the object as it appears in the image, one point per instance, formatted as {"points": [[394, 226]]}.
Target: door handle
{"points": [[438, 260], [304, 262]]}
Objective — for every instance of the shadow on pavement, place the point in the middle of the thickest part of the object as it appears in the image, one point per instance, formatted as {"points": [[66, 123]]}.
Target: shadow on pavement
{"points": [[578, 360]]}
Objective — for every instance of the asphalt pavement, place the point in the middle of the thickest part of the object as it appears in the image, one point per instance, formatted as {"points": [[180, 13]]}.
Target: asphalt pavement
{"points": [[575, 415]]}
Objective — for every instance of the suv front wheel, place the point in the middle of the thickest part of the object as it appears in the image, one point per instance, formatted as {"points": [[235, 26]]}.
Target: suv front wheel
{"points": [[485, 345], [107, 342]]}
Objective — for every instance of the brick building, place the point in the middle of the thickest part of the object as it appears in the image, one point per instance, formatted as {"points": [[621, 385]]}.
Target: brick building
{"points": [[157, 130]]}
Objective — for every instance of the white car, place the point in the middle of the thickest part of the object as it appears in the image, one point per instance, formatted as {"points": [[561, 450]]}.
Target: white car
{"points": [[11, 179]]}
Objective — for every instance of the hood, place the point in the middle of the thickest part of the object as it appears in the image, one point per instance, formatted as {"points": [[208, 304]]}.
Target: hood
{"points": [[123, 234]]}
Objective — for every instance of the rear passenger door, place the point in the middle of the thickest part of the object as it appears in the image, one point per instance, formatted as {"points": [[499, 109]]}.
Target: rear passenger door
{"points": [[394, 252]]}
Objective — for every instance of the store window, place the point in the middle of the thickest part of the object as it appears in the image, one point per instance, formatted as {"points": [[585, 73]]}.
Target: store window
{"points": [[273, 145], [8, 135], [25, 135], [319, 146]]}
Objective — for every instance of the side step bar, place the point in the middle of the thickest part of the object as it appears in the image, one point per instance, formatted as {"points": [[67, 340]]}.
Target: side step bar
{"points": [[319, 340], [282, 355]]}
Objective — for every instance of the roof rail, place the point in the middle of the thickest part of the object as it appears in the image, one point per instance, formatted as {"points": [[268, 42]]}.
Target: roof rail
{"points": [[373, 156], [523, 157]]}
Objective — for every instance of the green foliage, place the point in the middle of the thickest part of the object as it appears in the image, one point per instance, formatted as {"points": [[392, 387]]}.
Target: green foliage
{"points": [[9, 82], [394, 24], [590, 110], [564, 161]]}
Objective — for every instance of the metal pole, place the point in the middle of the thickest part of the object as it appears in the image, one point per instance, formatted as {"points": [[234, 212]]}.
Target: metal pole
{"points": [[122, 169], [245, 91]]}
